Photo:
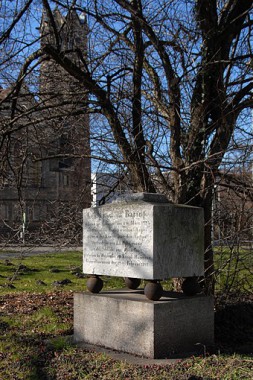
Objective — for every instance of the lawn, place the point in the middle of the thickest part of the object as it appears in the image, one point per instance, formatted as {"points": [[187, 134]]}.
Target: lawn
{"points": [[36, 323], [43, 273]]}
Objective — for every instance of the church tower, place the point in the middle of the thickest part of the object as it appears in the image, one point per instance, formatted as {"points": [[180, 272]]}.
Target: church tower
{"points": [[65, 100], [68, 34], [49, 184]]}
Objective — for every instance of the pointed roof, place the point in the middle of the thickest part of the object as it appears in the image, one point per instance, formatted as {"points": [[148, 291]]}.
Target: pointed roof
{"points": [[58, 18], [73, 17]]}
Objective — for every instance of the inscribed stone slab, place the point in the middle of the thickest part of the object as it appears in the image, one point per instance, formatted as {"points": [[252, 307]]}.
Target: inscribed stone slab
{"points": [[143, 240]]}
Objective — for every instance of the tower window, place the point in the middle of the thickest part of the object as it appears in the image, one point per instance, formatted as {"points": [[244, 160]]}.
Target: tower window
{"points": [[6, 212]]}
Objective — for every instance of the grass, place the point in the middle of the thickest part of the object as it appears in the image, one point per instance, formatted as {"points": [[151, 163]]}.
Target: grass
{"points": [[36, 322], [234, 269], [43, 273]]}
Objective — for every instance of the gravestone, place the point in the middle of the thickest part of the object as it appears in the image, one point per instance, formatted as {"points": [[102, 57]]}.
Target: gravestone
{"points": [[143, 236]]}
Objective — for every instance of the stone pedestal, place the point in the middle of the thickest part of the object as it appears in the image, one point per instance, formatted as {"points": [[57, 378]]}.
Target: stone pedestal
{"points": [[126, 321]]}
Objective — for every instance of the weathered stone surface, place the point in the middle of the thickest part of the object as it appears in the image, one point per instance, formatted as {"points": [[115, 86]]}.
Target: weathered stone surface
{"points": [[142, 239], [127, 321]]}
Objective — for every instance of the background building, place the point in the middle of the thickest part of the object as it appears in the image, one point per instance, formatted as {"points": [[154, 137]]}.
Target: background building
{"points": [[45, 168]]}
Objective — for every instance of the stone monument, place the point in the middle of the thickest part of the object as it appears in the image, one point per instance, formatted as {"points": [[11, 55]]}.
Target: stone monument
{"points": [[143, 236]]}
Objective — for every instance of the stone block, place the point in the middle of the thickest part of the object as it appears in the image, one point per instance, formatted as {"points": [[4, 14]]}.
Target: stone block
{"points": [[126, 321], [143, 237]]}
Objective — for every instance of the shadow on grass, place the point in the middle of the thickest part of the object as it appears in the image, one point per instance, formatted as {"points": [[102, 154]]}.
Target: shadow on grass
{"points": [[29, 357], [33, 328], [234, 328]]}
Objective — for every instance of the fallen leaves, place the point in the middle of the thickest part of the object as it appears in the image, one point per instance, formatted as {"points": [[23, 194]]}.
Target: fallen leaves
{"points": [[27, 303]]}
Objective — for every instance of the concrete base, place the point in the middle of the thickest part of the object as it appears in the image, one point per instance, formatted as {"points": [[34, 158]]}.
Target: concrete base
{"points": [[127, 321]]}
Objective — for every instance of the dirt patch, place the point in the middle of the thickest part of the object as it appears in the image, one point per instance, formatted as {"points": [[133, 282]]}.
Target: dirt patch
{"points": [[27, 303]]}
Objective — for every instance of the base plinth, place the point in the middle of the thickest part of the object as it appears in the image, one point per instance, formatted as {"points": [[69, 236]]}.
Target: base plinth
{"points": [[126, 321]]}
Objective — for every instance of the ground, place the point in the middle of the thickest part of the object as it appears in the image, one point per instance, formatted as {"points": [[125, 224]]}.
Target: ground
{"points": [[36, 327], [36, 321]]}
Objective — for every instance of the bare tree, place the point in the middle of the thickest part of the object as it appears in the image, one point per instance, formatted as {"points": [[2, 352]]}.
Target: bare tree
{"points": [[170, 86]]}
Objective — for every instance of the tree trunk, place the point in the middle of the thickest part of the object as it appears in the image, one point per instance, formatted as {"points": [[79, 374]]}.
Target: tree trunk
{"points": [[208, 255], [198, 191]]}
